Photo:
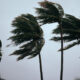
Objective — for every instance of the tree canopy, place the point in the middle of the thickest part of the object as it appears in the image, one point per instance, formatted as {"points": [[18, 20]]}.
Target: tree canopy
{"points": [[27, 32]]}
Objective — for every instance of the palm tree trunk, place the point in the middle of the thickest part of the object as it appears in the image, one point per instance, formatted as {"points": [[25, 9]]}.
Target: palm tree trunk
{"points": [[41, 72], [62, 54]]}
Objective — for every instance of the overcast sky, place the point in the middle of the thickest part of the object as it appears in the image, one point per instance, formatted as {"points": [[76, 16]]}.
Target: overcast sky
{"points": [[28, 69]]}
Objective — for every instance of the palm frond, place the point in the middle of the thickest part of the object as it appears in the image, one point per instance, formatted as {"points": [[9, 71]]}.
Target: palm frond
{"points": [[66, 31], [49, 12], [40, 44], [71, 45], [31, 49], [71, 30], [73, 19], [26, 29], [65, 38]]}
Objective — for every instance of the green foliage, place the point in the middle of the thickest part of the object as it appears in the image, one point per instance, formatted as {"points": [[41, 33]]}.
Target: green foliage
{"points": [[49, 12], [31, 49], [65, 38], [69, 25], [71, 30], [26, 29]]}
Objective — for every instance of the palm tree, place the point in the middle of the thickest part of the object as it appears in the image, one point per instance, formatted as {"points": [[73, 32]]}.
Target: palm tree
{"points": [[0, 50], [27, 32], [50, 12], [71, 31]]}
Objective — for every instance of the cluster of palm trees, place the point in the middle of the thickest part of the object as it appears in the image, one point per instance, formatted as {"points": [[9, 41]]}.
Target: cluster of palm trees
{"points": [[28, 33]]}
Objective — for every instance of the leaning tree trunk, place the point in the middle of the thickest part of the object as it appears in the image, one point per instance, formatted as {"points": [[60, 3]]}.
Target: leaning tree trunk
{"points": [[40, 62], [62, 54]]}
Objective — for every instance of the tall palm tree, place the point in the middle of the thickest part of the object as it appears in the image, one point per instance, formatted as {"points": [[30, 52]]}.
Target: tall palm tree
{"points": [[50, 12], [71, 31], [27, 32], [0, 50]]}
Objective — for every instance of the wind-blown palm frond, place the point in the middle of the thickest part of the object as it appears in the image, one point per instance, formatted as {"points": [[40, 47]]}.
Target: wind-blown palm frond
{"points": [[74, 20], [69, 25], [27, 29], [0, 50], [31, 49], [71, 45], [49, 12], [65, 38], [71, 30]]}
